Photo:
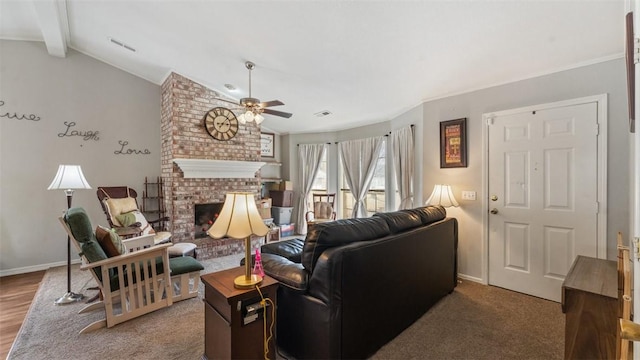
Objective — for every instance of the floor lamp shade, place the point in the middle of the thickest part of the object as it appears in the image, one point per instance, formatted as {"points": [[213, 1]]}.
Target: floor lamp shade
{"points": [[239, 218], [442, 195], [69, 178]]}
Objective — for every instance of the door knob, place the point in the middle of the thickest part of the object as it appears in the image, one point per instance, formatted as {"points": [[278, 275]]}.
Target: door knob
{"points": [[494, 198], [494, 211]]}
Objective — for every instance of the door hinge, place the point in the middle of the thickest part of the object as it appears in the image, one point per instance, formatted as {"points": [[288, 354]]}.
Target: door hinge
{"points": [[597, 207], [597, 129], [636, 50], [490, 120]]}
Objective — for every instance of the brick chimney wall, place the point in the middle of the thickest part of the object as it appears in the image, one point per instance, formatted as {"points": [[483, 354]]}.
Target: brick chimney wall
{"points": [[184, 104]]}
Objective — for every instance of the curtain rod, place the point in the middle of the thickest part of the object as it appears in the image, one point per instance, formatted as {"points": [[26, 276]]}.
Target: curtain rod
{"points": [[386, 135], [308, 144]]}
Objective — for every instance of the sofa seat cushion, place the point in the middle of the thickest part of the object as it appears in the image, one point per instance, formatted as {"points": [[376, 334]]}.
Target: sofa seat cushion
{"points": [[340, 232], [184, 264], [400, 221], [288, 249]]}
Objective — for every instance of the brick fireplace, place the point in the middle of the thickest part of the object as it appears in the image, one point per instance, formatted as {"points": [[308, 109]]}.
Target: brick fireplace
{"points": [[184, 104]]}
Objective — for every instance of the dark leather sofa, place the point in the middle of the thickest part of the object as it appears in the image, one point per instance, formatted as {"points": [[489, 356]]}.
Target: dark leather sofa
{"points": [[353, 285]]}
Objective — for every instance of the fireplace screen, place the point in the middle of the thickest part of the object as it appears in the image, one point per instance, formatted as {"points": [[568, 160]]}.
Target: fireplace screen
{"points": [[206, 215]]}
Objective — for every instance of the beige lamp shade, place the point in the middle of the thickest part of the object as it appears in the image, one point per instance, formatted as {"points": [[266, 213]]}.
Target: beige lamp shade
{"points": [[239, 218], [69, 177], [442, 195]]}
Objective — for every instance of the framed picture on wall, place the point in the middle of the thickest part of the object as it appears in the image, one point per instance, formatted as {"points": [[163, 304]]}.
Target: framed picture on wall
{"points": [[453, 143], [267, 142]]}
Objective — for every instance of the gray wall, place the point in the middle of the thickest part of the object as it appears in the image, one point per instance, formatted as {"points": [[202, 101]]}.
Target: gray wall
{"points": [[603, 78], [97, 97]]}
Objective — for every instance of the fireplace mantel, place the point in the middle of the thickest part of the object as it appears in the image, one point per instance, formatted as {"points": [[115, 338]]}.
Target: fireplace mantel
{"points": [[218, 169]]}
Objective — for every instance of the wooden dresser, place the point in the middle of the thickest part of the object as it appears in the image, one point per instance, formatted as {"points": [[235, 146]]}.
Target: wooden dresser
{"points": [[590, 303]]}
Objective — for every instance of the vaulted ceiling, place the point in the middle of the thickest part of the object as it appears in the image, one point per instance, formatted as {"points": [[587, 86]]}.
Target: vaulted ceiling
{"points": [[363, 61]]}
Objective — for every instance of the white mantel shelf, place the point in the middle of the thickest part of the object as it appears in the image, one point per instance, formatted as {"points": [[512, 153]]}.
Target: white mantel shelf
{"points": [[218, 169]]}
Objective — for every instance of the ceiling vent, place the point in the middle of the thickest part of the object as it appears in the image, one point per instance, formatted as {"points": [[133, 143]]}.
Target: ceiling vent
{"points": [[322, 113]]}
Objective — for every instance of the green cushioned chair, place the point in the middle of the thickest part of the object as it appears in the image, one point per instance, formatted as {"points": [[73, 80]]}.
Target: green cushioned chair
{"points": [[139, 280]]}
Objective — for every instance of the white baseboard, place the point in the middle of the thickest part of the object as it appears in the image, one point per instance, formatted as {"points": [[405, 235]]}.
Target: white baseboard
{"points": [[472, 278], [28, 269]]}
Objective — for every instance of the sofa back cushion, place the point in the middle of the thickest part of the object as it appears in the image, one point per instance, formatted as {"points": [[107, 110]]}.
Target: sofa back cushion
{"points": [[80, 226], [402, 220], [340, 232], [322, 210], [430, 214]]}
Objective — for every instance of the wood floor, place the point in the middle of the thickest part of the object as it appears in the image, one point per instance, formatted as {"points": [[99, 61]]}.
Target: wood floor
{"points": [[16, 294]]}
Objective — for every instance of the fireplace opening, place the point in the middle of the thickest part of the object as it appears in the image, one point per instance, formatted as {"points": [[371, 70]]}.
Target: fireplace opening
{"points": [[205, 216]]}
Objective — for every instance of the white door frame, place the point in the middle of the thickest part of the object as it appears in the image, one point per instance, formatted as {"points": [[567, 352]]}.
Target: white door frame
{"points": [[601, 100]]}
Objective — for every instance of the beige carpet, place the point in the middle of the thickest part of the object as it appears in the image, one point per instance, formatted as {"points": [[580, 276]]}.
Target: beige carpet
{"points": [[483, 322], [474, 322], [51, 331]]}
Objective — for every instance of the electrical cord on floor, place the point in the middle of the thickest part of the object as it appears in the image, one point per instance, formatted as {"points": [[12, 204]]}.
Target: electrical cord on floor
{"points": [[263, 302]]}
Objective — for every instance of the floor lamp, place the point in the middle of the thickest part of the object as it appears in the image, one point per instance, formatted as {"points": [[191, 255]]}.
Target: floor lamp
{"points": [[69, 178]]}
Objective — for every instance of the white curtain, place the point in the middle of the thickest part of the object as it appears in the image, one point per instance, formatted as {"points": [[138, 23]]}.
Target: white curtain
{"points": [[403, 162], [359, 158], [309, 156]]}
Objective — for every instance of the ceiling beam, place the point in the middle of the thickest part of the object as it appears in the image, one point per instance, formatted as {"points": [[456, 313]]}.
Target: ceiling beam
{"points": [[54, 24]]}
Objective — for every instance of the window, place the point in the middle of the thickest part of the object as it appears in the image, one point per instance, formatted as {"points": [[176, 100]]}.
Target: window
{"points": [[375, 198]]}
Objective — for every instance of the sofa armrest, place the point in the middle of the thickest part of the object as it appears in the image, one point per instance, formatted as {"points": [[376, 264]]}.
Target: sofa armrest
{"points": [[289, 249], [287, 272]]}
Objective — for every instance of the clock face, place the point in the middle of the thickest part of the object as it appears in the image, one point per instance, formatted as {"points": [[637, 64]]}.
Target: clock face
{"points": [[221, 123]]}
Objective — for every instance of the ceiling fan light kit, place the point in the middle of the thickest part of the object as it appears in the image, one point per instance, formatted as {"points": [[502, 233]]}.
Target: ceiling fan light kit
{"points": [[253, 107], [249, 116]]}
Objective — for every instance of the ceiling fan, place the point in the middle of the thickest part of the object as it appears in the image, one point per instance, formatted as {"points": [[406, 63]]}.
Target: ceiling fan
{"points": [[253, 107]]}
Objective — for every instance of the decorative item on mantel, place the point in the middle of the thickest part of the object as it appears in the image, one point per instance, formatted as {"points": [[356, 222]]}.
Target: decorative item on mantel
{"points": [[239, 219]]}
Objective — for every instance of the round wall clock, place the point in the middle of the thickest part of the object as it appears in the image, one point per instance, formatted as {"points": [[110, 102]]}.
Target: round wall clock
{"points": [[221, 123]]}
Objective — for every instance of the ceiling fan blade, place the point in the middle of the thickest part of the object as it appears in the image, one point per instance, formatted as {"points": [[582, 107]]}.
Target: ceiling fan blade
{"points": [[271, 103], [277, 113]]}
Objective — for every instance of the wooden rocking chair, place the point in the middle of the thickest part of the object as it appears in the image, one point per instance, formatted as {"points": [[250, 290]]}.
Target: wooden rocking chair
{"points": [[120, 203], [323, 209], [140, 280]]}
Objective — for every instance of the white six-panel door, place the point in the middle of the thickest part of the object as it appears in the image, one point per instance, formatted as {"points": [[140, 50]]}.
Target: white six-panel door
{"points": [[542, 196]]}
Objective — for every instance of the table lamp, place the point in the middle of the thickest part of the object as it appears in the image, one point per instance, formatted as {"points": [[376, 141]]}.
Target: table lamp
{"points": [[239, 218], [442, 195], [69, 178]]}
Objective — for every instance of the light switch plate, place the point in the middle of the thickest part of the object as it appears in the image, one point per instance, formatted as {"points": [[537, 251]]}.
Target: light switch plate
{"points": [[468, 195]]}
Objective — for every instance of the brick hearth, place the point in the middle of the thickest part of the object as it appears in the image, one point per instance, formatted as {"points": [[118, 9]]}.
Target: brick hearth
{"points": [[184, 104]]}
